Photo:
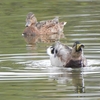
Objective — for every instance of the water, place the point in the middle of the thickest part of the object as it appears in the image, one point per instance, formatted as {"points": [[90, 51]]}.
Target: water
{"points": [[26, 72]]}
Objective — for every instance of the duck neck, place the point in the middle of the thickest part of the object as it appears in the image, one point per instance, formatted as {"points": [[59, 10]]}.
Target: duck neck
{"points": [[76, 55]]}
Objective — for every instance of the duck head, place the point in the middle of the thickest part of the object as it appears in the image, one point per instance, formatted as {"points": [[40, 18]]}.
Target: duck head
{"points": [[78, 46], [30, 19], [77, 49]]}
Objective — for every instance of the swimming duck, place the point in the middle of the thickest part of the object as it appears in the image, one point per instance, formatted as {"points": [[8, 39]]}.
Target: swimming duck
{"points": [[49, 30], [63, 55]]}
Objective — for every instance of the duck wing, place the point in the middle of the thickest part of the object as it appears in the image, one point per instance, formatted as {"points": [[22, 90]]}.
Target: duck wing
{"points": [[47, 23], [61, 52]]}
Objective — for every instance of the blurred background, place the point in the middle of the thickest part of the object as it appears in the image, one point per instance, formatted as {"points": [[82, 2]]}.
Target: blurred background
{"points": [[26, 72]]}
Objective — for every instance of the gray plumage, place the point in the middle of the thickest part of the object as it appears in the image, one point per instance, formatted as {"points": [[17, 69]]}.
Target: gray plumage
{"points": [[63, 55]]}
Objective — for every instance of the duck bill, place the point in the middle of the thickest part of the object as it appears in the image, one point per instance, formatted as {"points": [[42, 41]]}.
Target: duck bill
{"points": [[27, 24], [79, 46]]}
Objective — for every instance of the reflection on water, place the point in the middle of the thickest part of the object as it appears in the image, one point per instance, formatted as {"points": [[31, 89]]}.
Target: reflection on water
{"points": [[26, 72], [32, 76]]}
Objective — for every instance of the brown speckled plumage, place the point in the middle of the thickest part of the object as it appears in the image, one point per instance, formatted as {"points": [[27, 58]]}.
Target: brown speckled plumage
{"points": [[49, 30]]}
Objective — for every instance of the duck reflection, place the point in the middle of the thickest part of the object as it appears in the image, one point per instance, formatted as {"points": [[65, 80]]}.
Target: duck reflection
{"points": [[31, 48], [78, 80], [31, 35], [69, 75]]}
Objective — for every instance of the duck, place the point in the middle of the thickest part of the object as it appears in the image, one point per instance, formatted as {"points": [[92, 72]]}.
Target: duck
{"points": [[47, 30], [66, 56]]}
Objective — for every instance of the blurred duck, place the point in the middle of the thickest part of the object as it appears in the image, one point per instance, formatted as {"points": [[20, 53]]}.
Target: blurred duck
{"points": [[49, 30], [63, 55], [31, 20]]}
